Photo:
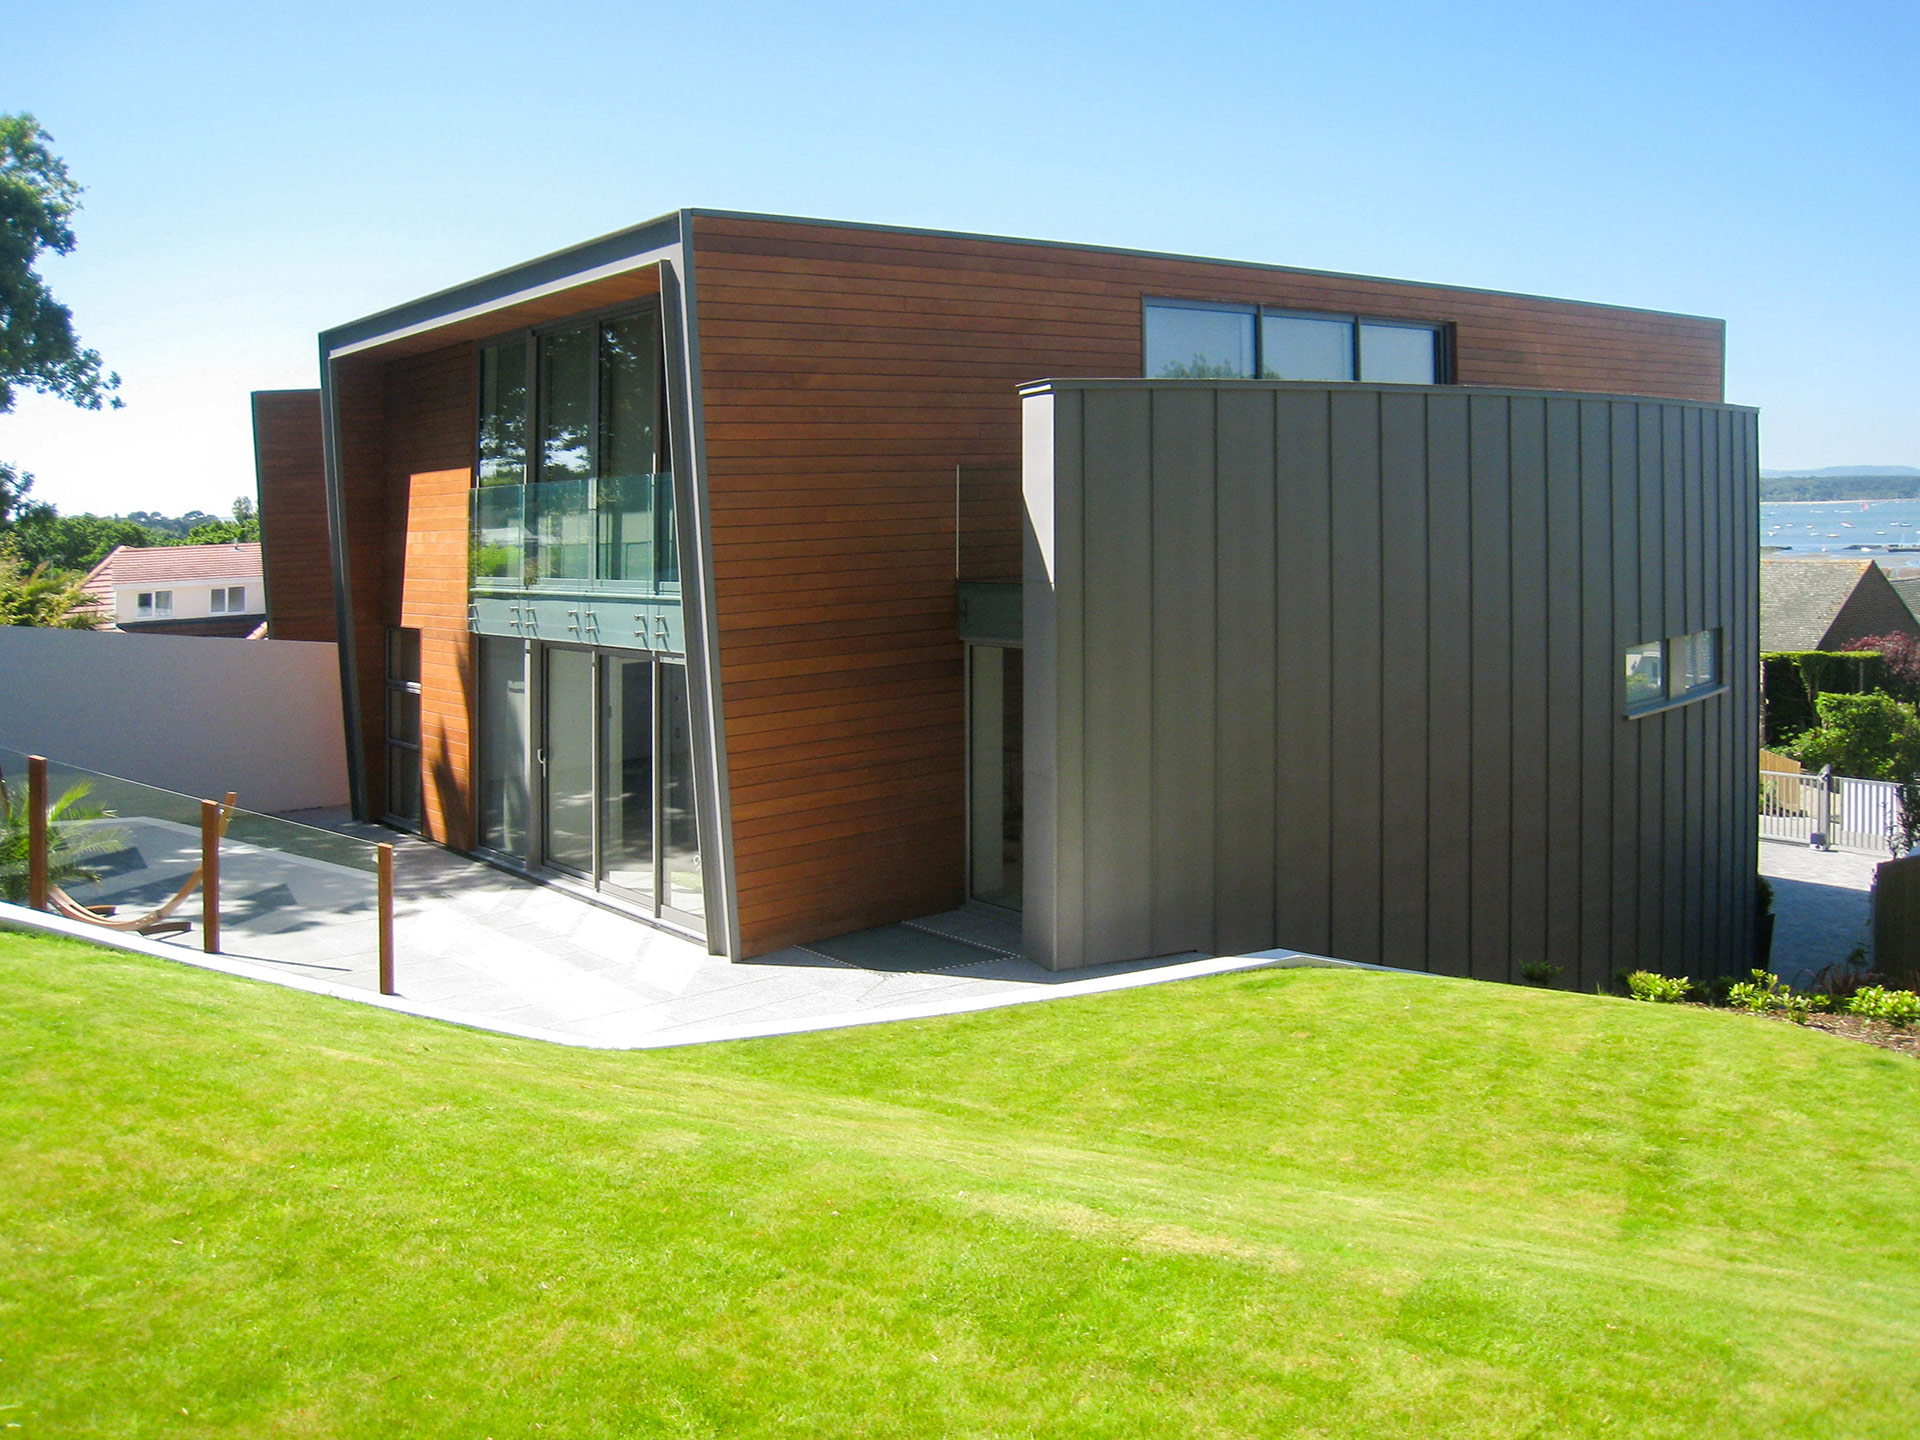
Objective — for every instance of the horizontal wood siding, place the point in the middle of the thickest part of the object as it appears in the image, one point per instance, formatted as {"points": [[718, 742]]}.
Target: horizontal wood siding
{"points": [[846, 374], [290, 479], [430, 436]]}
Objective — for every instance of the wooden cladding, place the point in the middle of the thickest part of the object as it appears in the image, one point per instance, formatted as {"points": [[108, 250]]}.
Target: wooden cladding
{"points": [[846, 375], [290, 477], [405, 459], [1341, 669]]}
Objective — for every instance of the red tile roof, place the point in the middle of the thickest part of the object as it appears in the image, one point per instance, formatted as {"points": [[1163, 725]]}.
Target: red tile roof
{"points": [[173, 564]]}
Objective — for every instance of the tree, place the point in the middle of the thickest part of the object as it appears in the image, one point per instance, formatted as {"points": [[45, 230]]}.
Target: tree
{"points": [[1899, 663], [1870, 737], [38, 349], [38, 595], [74, 542], [243, 528]]}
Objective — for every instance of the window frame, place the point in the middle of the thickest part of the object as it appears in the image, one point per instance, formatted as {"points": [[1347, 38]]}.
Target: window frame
{"points": [[1441, 330], [1672, 695]]}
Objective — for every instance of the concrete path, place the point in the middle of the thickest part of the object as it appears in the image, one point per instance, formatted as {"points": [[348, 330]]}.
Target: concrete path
{"points": [[1821, 899], [482, 947]]}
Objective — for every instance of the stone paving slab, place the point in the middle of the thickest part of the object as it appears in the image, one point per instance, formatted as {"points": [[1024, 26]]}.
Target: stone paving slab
{"points": [[482, 947], [1822, 904]]}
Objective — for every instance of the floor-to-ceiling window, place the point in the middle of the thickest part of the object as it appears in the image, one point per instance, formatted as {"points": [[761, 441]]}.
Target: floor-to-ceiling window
{"points": [[585, 757]]}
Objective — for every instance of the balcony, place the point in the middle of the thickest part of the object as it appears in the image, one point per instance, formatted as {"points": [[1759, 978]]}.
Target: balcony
{"points": [[588, 537]]}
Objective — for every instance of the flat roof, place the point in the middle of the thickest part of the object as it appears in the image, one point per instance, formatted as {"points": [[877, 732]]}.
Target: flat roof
{"points": [[636, 243]]}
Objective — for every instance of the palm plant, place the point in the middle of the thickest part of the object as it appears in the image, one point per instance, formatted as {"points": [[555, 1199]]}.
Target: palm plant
{"points": [[71, 840]]}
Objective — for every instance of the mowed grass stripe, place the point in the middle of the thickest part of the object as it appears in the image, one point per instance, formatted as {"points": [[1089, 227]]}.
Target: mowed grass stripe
{"points": [[1324, 1203]]}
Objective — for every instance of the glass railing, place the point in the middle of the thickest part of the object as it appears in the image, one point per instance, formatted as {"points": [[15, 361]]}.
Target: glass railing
{"points": [[615, 533]]}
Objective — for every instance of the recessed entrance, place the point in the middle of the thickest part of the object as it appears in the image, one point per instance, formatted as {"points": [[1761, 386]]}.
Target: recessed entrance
{"points": [[996, 774]]}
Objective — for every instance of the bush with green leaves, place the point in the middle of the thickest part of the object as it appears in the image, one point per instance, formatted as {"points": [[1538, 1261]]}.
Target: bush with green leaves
{"points": [[1896, 1007], [1869, 737], [71, 841], [1658, 989]]}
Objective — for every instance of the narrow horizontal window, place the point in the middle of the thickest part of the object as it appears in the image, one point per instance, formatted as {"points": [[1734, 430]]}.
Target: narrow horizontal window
{"points": [[1201, 340], [1305, 347], [1646, 675], [1667, 672]]}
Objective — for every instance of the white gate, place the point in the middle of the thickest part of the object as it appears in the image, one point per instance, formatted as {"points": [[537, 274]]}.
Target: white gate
{"points": [[1832, 811]]}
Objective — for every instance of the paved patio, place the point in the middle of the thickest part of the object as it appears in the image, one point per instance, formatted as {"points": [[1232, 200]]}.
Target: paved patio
{"points": [[1822, 904], [483, 947]]}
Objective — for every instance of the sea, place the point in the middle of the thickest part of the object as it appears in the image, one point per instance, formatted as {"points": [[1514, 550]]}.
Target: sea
{"points": [[1883, 530]]}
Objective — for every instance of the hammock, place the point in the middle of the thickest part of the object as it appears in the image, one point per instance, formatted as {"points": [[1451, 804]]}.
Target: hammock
{"points": [[154, 920]]}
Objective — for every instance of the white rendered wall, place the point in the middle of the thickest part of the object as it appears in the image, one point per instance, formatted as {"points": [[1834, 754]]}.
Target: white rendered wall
{"points": [[192, 600], [192, 713]]}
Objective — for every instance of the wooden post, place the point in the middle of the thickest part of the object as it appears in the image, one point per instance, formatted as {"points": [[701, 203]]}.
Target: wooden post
{"points": [[38, 871], [210, 877], [386, 920]]}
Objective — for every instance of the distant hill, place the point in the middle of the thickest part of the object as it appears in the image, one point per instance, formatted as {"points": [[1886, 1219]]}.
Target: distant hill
{"points": [[1900, 484], [1874, 470]]}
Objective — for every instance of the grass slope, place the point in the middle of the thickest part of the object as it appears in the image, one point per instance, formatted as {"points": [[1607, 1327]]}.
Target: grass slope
{"points": [[1277, 1203]]}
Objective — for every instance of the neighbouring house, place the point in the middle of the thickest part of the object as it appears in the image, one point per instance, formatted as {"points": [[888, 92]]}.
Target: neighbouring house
{"points": [[181, 589], [770, 579], [1810, 604], [1906, 584]]}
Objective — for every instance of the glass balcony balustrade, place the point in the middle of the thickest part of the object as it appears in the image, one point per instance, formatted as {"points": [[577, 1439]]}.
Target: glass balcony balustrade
{"points": [[614, 535]]}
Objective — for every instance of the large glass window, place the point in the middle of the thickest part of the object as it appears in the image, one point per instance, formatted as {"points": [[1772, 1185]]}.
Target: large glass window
{"points": [[503, 413], [1199, 342], [1195, 340], [503, 745]]}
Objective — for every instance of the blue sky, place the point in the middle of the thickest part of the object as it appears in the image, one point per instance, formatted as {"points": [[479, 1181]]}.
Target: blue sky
{"points": [[255, 173]]}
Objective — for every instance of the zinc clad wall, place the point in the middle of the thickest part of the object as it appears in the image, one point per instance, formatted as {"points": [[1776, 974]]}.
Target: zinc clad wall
{"points": [[1449, 781], [845, 373], [291, 481]]}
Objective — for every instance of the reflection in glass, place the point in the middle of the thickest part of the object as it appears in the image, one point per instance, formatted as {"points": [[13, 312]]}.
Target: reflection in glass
{"points": [[503, 413], [566, 405], [626, 774], [996, 772], [680, 831], [1646, 675], [1300, 347], [1398, 354], [627, 528], [560, 530], [1184, 343], [629, 396], [569, 759], [1698, 662], [503, 745], [496, 553]]}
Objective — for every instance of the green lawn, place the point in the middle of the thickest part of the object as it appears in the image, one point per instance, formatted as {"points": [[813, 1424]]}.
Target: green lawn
{"points": [[1278, 1203]]}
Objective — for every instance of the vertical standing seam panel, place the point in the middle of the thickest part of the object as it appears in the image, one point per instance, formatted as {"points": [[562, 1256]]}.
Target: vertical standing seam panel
{"points": [[1246, 683], [1356, 660], [1695, 805], [1070, 699], [1117, 624], [1181, 629], [1743, 764], [1449, 713], [1303, 795], [1623, 458], [1528, 657], [1403, 696], [1600, 626], [1675, 783], [1042, 847], [1653, 733], [1718, 879], [1560, 789], [1492, 688]]}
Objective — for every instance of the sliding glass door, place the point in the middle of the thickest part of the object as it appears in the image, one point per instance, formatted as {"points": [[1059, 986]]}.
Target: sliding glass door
{"points": [[611, 761]]}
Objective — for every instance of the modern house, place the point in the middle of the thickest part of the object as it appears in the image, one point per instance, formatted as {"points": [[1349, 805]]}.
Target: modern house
{"points": [[1817, 604], [181, 589], [771, 579]]}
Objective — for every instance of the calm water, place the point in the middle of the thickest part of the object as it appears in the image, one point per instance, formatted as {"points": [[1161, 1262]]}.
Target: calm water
{"points": [[1838, 526]]}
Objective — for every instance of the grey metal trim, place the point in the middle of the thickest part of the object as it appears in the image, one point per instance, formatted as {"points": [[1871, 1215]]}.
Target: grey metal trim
{"points": [[692, 515], [1059, 385], [342, 591], [622, 250]]}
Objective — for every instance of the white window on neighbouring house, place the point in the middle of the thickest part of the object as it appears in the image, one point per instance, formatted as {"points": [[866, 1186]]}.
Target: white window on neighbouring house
{"points": [[230, 601], [154, 604]]}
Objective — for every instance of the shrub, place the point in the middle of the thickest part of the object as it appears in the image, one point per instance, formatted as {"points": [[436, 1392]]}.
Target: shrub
{"points": [[1538, 972], [1757, 994], [71, 843], [1870, 737], [1658, 989], [1896, 1007]]}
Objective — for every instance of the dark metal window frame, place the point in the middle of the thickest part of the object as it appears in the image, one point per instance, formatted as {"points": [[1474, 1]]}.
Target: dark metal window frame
{"points": [[1441, 330], [1672, 698], [411, 688]]}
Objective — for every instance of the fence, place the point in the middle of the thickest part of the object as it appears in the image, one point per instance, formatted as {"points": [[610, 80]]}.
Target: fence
{"points": [[1828, 811], [131, 857]]}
